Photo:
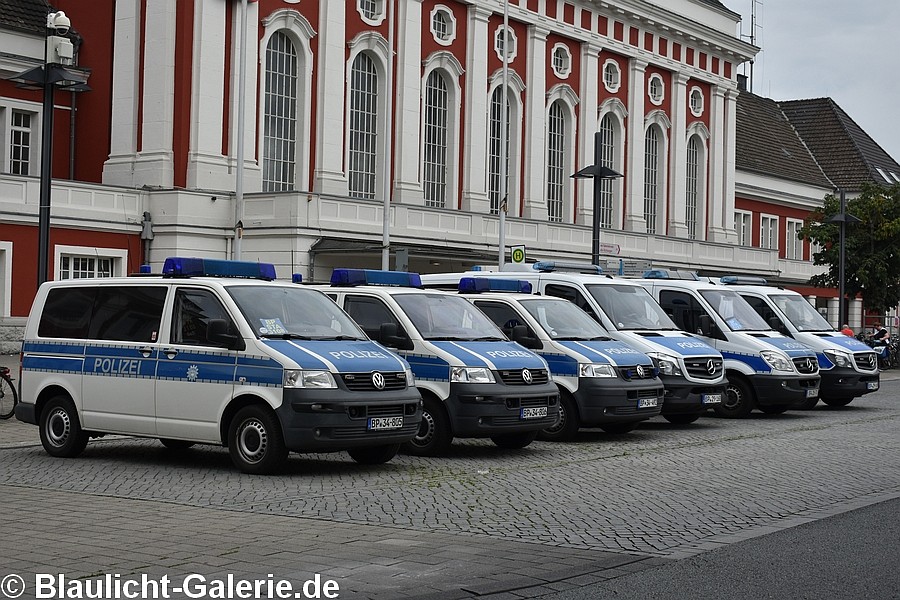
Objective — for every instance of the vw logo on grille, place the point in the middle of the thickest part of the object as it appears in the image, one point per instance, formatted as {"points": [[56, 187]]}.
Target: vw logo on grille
{"points": [[710, 367], [378, 381], [526, 376], [640, 371]]}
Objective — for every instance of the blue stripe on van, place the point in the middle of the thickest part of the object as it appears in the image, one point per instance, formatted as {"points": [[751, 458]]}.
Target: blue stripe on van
{"points": [[562, 365], [67, 348], [426, 367], [754, 361], [503, 355]]}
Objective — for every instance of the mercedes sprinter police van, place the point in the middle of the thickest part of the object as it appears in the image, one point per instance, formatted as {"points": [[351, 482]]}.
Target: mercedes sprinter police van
{"points": [[211, 352], [474, 381], [602, 382], [765, 369], [848, 367], [691, 370]]}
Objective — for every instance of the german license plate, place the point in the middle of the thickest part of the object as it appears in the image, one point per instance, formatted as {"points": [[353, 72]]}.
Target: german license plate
{"points": [[385, 423], [534, 413], [712, 398], [646, 402], [813, 393], [872, 385]]}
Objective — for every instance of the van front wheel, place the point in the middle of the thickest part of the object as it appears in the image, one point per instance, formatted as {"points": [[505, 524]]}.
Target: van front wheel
{"points": [[434, 436], [738, 401], [61, 433], [255, 441]]}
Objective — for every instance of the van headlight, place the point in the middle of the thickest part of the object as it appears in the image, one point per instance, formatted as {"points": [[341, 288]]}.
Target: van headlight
{"points": [[667, 365], [410, 378], [595, 370], [297, 378], [471, 375], [777, 360], [840, 359]]}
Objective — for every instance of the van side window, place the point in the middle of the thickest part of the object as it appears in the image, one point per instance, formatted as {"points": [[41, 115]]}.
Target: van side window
{"points": [[683, 308], [67, 312], [572, 295], [127, 313], [193, 311], [370, 313], [503, 315], [764, 310]]}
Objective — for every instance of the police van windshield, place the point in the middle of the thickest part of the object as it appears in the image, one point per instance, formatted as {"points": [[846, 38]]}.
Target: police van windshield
{"points": [[294, 313], [562, 320], [631, 307], [446, 317], [734, 310], [801, 313]]}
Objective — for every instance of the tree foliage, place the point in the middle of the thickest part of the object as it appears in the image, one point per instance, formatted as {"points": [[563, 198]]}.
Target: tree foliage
{"points": [[871, 246]]}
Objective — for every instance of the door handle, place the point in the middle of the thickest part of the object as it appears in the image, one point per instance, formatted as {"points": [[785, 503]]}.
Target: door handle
{"points": [[170, 353], [146, 351]]}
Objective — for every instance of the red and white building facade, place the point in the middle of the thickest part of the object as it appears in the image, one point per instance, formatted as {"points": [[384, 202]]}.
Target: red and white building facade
{"points": [[340, 110]]}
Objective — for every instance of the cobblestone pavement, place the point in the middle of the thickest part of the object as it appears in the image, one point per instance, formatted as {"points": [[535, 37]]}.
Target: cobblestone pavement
{"points": [[481, 522]]}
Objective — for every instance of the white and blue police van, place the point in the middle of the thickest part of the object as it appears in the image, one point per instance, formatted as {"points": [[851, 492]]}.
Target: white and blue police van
{"points": [[211, 352], [765, 369], [474, 382], [602, 382], [691, 370], [848, 367]]}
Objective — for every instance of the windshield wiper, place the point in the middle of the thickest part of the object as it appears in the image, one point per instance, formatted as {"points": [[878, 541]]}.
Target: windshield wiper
{"points": [[452, 338], [286, 336], [339, 338], [581, 338]]}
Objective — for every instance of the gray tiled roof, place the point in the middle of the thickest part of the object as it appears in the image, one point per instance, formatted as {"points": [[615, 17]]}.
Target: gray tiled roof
{"points": [[845, 152], [767, 144], [24, 15]]}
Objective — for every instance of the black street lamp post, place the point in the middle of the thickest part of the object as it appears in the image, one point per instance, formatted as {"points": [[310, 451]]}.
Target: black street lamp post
{"points": [[597, 173], [842, 218]]}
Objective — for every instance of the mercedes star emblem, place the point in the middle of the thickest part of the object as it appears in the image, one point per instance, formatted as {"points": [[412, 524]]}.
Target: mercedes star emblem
{"points": [[710, 366]]}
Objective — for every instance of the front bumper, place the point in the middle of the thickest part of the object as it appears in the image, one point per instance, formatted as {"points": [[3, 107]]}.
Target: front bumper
{"points": [[489, 409], [840, 383], [685, 397], [778, 390], [613, 400]]}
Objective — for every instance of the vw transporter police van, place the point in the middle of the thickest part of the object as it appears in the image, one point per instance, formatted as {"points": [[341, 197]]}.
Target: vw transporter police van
{"points": [[475, 383], [691, 370], [602, 382], [211, 352]]}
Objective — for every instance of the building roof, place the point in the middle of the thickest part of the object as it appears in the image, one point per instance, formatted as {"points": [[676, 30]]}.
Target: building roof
{"points": [[24, 15], [767, 144], [846, 153]]}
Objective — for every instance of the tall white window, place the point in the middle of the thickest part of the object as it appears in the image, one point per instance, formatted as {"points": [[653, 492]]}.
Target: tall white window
{"points": [[556, 157], [434, 176], [20, 143], [81, 267], [768, 232], [742, 221], [363, 127], [280, 115], [651, 178], [496, 170], [606, 140], [692, 187], [793, 245]]}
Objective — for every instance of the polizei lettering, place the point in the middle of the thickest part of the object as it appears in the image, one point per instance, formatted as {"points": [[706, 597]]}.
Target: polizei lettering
{"points": [[357, 354], [117, 366], [509, 354]]}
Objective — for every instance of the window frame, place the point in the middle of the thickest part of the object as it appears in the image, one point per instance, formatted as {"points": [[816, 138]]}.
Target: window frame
{"points": [[771, 235], [118, 259], [451, 23], [654, 80], [561, 51], [793, 246], [612, 87], [745, 233]]}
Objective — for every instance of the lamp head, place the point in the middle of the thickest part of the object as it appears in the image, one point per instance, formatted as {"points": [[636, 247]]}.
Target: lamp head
{"points": [[59, 22]]}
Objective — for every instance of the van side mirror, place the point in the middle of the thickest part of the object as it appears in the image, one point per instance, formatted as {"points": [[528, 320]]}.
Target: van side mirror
{"points": [[776, 324], [706, 325], [520, 335], [389, 335], [220, 333]]}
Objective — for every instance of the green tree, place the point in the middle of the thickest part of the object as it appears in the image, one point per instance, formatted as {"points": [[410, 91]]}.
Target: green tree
{"points": [[871, 247]]}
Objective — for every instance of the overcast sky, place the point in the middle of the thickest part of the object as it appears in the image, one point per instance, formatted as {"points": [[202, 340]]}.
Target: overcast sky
{"points": [[848, 50]]}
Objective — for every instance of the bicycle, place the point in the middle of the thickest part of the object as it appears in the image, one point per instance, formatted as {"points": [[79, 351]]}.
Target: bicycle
{"points": [[8, 395]]}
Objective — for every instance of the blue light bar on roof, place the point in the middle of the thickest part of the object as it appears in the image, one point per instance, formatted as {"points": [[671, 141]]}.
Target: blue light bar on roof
{"points": [[350, 277], [670, 274], [473, 285], [743, 280], [179, 266], [556, 265]]}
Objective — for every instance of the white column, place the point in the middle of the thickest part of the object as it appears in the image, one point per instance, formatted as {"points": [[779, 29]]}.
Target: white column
{"points": [[678, 157], [329, 174], [474, 170], [407, 119], [119, 167], [634, 199], [535, 113], [855, 315], [833, 316], [154, 165], [587, 127], [207, 168], [721, 165]]}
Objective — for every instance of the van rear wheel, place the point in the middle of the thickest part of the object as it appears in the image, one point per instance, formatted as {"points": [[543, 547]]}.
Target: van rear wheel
{"points": [[514, 441], [61, 433], [374, 455], [774, 409], [176, 444], [255, 441], [682, 418], [619, 428], [808, 404], [837, 402]]}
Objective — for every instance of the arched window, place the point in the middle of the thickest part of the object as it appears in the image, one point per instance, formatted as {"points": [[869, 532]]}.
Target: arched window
{"points": [[280, 115], [692, 190], [496, 170], [606, 140], [651, 178], [556, 159], [363, 127], [434, 178]]}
